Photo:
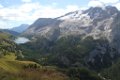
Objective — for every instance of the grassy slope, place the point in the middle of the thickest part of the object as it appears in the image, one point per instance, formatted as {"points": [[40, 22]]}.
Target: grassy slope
{"points": [[12, 69], [8, 63]]}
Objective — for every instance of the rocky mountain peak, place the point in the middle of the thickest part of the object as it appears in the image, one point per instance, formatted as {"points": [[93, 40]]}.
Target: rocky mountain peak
{"points": [[95, 21], [101, 13], [111, 10], [93, 13]]}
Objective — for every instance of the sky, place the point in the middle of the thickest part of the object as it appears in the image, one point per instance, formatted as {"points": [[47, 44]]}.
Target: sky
{"points": [[16, 12]]}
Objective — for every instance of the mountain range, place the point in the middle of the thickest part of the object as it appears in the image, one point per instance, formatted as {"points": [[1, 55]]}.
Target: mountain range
{"points": [[80, 45], [20, 28], [96, 22], [91, 36]]}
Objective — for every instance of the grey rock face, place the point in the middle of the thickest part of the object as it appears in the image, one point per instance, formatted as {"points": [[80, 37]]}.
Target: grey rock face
{"points": [[46, 27], [96, 22]]}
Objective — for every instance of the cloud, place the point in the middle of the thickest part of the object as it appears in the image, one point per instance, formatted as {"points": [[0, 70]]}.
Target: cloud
{"points": [[52, 12], [29, 12], [95, 3], [103, 3], [109, 1], [26, 1], [72, 8], [117, 5], [33, 11]]}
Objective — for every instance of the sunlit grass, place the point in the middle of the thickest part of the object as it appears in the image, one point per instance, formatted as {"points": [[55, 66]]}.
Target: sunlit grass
{"points": [[12, 69]]}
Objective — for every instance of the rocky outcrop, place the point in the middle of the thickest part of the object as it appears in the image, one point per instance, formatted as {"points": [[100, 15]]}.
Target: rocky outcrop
{"points": [[100, 23]]}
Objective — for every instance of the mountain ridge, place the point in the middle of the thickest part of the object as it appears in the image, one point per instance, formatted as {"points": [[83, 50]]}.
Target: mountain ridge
{"points": [[81, 39], [95, 25], [20, 28], [92, 21]]}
